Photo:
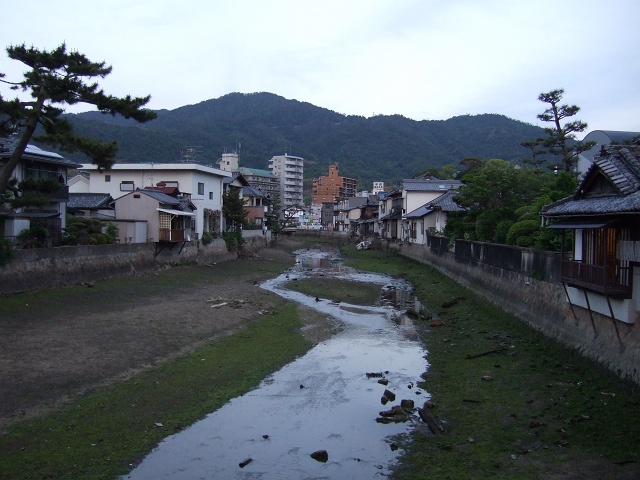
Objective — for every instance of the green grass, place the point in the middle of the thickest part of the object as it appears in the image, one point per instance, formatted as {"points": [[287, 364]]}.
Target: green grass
{"points": [[546, 404], [100, 435], [356, 293]]}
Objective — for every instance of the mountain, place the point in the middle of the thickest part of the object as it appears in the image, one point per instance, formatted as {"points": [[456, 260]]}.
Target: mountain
{"points": [[381, 148]]}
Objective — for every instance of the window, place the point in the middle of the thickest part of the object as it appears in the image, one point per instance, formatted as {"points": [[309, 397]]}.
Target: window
{"points": [[127, 186], [210, 195], [107, 178], [200, 188]]}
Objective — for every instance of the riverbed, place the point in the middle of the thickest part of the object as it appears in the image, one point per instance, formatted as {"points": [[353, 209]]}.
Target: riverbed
{"points": [[326, 403]]}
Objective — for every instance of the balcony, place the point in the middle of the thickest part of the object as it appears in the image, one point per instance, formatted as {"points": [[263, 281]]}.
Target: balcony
{"points": [[613, 281], [171, 235]]}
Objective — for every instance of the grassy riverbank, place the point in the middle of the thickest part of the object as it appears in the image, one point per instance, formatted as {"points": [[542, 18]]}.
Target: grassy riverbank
{"points": [[546, 413], [514, 404]]}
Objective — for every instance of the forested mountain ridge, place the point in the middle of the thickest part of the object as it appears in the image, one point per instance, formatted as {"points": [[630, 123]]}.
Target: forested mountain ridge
{"points": [[382, 148]]}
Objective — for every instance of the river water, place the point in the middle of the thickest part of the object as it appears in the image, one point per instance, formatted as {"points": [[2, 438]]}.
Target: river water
{"points": [[324, 400]]}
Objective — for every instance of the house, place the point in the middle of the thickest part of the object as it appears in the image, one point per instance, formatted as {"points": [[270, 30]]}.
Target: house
{"points": [[430, 218], [168, 219], [601, 272], [364, 217], [41, 172], [390, 214], [91, 205], [202, 184]]}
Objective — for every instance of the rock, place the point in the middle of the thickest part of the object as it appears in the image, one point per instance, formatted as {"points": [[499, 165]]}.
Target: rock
{"points": [[384, 400], [435, 323], [320, 456], [375, 374], [393, 447], [383, 381], [390, 395], [486, 378], [407, 404], [245, 462]]}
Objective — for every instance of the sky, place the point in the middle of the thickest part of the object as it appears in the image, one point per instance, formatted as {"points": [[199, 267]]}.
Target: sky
{"points": [[423, 59]]}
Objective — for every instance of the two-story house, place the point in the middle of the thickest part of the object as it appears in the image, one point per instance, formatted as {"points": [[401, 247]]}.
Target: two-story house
{"points": [[202, 183], [601, 273], [44, 173], [419, 193]]}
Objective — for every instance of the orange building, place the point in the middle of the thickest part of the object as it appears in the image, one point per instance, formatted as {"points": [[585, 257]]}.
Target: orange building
{"points": [[328, 188]]}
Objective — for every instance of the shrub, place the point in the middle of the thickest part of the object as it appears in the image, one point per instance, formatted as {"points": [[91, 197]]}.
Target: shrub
{"points": [[6, 251], [525, 229], [233, 240], [36, 236], [88, 231], [207, 238]]}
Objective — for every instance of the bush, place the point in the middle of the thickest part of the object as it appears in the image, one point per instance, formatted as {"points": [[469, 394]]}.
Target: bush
{"points": [[36, 236], [88, 231], [207, 238], [233, 240], [522, 233], [6, 251]]}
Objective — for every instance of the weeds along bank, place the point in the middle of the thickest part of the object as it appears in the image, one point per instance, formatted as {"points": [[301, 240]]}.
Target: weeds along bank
{"points": [[542, 305], [39, 268]]}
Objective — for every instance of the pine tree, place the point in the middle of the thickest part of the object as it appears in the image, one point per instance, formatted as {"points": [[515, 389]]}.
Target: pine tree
{"points": [[559, 136], [57, 78]]}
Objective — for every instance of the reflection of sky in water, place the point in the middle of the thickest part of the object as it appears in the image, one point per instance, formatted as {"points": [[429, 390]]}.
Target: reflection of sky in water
{"points": [[322, 400]]}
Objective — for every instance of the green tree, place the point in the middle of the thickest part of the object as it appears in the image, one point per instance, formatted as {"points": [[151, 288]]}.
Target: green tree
{"points": [[561, 134], [57, 78], [494, 195], [234, 215], [88, 231]]}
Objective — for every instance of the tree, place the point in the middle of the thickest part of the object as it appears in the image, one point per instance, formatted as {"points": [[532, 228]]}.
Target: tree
{"points": [[234, 215], [57, 78], [559, 136]]}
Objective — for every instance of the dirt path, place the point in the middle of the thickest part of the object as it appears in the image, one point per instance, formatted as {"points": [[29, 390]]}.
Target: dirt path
{"points": [[61, 342]]}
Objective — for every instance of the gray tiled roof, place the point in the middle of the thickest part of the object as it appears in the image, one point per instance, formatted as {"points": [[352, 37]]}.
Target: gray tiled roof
{"points": [[88, 201], [422, 185], [161, 197], [443, 202], [621, 166]]}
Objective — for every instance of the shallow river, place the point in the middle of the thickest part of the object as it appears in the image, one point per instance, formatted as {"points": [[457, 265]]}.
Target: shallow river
{"points": [[321, 401]]}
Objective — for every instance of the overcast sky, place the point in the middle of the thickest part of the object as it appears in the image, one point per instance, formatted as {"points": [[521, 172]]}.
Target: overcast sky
{"points": [[423, 59]]}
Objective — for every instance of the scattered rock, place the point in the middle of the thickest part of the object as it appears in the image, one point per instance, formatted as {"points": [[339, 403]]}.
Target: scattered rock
{"points": [[384, 400], [301, 387], [266, 437], [245, 462], [375, 375], [436, 323], [390, 395], [407, 404], [383, 381], [393, 447], [320, 456]]}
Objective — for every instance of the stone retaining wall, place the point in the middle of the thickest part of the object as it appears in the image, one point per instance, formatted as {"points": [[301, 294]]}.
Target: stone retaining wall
{"points": [[544, 306], [51, 267]]}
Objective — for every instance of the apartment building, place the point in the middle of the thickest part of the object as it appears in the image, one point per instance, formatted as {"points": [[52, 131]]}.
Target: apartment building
{"points": [[329, 187], [289, 170]]}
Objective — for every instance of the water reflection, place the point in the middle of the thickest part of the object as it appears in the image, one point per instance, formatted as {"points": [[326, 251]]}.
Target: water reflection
{"points": [[322, 401]]}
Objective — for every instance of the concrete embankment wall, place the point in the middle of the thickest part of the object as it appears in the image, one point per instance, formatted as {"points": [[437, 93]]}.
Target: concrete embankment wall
{"points": [[544, 306], [40, 268]]}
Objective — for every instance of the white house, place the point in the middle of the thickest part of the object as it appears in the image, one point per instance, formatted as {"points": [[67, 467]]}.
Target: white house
{"points": [[203, 184]]}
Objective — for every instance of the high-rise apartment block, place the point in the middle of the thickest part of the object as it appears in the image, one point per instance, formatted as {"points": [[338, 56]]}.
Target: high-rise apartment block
{"points": [[289, 170], [329, 187]]}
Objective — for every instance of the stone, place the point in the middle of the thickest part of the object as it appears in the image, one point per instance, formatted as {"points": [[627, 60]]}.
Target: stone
{"points": [[320, 456]]}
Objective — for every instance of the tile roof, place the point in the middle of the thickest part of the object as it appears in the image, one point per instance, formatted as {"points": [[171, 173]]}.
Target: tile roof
{"points": [[422, 184], [7, 145], [444, 202], [88, 201], [159, 196], [620, 165]]}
